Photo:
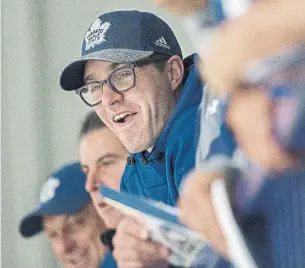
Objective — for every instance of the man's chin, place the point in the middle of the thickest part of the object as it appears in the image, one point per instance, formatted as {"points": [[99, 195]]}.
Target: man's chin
{"points": [[136, 147], [80, 264]]}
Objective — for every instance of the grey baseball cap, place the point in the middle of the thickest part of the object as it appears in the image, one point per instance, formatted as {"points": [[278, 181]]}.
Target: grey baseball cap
{"points": [[121, 37]]}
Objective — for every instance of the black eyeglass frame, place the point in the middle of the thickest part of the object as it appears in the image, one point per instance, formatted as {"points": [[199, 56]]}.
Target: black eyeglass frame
{"points": [[107, 80]]}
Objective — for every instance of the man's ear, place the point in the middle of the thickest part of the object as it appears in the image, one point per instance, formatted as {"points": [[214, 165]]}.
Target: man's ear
{"points": [[175, 71]]}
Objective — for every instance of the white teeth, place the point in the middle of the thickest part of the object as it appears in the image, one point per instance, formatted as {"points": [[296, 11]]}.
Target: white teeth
{"points": [[120, 116]]}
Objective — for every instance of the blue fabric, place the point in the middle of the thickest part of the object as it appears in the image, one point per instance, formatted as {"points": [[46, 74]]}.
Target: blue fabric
{"points": [[216, 144], [108, 261], [174, 152]]}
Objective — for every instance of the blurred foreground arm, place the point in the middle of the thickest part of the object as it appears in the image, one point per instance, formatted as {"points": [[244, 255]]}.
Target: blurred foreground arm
{"points": [[268, 28], [249, 117]]}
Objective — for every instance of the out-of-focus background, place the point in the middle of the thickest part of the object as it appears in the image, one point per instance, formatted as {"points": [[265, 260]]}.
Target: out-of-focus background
{"points": [[40, 122]]}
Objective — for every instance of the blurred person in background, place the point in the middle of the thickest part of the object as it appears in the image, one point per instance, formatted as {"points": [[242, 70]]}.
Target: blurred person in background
{"points": [[271, 31], [65, 213], [103, 160]]}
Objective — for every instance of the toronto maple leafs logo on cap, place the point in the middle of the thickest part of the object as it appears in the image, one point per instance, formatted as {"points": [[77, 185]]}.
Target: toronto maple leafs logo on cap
{"points": [[48, 189], [96, 33]]}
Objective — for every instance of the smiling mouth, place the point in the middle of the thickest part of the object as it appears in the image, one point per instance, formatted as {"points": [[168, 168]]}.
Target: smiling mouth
{"points": [[123, 118]]}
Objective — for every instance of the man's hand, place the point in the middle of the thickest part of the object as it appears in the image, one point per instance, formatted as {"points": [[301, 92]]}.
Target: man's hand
{"points": [[182, 7], [198, 211], [132, 247]]}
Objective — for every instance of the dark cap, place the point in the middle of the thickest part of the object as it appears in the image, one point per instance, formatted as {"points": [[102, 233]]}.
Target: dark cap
{"points": [[62, 193], [121, 37]]}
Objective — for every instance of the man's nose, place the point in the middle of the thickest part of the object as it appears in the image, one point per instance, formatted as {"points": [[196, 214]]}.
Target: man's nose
{"points": [[110, 97], [67, 243], [91, 182]]}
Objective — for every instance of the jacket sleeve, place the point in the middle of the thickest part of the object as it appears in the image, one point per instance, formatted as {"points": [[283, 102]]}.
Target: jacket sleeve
{"points": [[182, 150]]}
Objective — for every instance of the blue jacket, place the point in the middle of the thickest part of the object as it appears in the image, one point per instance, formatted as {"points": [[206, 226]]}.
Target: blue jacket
{"points": [[108, 261], [157, 175], [216, 144]]}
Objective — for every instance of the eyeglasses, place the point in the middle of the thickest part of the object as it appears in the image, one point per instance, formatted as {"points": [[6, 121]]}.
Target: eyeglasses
{"points": [[120, 80]]}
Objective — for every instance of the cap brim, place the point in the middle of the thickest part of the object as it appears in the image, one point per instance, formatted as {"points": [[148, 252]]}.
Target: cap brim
{"points": [[31, 224], [72, 76]]}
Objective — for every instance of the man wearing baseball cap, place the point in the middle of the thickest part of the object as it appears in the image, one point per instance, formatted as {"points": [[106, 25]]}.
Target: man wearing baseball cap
{"points": [[66, 214], [132, 71]]}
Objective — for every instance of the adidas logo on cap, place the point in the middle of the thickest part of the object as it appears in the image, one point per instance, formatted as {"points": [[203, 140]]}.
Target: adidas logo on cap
{"points": [[162, 43]]}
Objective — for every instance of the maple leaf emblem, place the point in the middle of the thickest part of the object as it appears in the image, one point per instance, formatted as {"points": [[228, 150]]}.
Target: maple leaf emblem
{"points": [[96, 33]]}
